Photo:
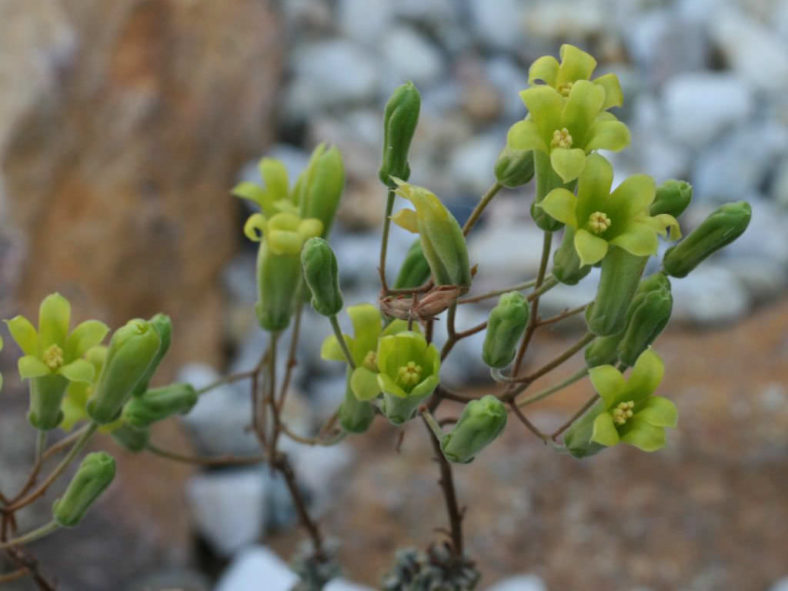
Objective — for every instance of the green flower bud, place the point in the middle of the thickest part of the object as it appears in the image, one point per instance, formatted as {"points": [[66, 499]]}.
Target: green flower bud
{"points": [[505, 326], [546, 180], [322, 276], [621, 272], [442, 240], [577, 438], [94, 475], [158, 404], [46, 397], [319, 188], [722, 227], [355, 416], [415, 270], [567, 267], [514, 168], [163, 327], [603, 351], [399, 124], [131, 350], [480, 423], [672, 198], [647, 316], [133, 439]]}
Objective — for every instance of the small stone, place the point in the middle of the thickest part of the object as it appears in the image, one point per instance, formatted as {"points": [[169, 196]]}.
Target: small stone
{"points": [[411, 57], [366, 21], [228, 507], [509, 79], [504, 251], [565, 19], [472, 164], [254, 566], [699, 106], [320, 470], [498, 23], [709, 296], [520, 583]]}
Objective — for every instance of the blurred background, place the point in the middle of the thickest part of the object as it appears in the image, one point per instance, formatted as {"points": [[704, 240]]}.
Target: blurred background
{"points": [[124, 124]]}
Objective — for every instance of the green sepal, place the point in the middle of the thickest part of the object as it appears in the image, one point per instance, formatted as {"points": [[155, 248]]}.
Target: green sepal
{"points": [[93, 476], [46, 398], [158, 404], [321, 275], [399, 124], [355, 416], [162, 324], [505, 325], [279, 277], [621, 272], [415, 269], [318, 190], [721, 228], [603, 351], [567, 267], [647, 317], [546, 181], [481, 422], [577, 438], [672, 198], [130, 438], [514, 168]]}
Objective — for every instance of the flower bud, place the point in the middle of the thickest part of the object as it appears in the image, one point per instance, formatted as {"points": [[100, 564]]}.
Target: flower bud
{"points": [[158, 404], [621, 272], [46, 398], [355, 416], [577, 438], [603, 351], [546, 180], [131, 350], [94, 475], [672, 198], [647, 316], [399, 124], [514, 168], [133, 439], [163, 327], [319, 188], [722, 227], [415, 269], [480, 423], [322, 276], [567, 267], [505, 326]]}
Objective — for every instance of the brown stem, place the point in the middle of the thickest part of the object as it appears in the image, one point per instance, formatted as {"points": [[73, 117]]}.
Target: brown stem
{"points": [[446, 482], [282, 464], [444, 392], [13, 575], [589, 403], [451, 331], [524, 420], [292, 351], [497, 292], [26, 560], [227, 460], [563, 315]]}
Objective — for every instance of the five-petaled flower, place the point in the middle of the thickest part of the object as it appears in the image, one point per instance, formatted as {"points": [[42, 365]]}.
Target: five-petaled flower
{"points": [[601, 218], [630, 412]]}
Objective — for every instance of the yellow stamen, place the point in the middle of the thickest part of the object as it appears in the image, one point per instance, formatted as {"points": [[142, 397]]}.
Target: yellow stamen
{"points": [[409, 375], [371, 361], [53, 357], [598, 222], [565, 88], [561, 138], [623, 412]]}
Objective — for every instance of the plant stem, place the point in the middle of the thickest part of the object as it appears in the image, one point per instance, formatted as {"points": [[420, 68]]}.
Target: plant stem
{"points": [[552, 389], [341, 340], [497, 292], [13, 575], [483, 203], [563, 315], [589, 403], [446, 482], [292, 351], [384, 243], [282, 464], [227, 460], [32, 536], [41, 441], [229, 379], [549, 366]]}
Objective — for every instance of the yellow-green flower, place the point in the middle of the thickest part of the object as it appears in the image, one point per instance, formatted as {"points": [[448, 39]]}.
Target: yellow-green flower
{"points": [[77, 394], [442, 240], [51, 350], [575, 65], [363, 345], [630, 412], [601, 218], [274, 195], [567, 128]]}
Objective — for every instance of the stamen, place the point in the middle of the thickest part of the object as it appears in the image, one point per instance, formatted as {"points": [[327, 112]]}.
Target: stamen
{"points": [[561, 138], [598, 222], [623, 412], [53, 357], [409, 375]]}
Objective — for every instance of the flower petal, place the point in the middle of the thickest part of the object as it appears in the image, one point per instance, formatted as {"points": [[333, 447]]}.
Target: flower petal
{"points": [[659, 411], [389, 386], [250, 191], [613, 95], [545, 105], [54, 316], [590, 248], [604, 431], [255, 227], [568, 163], [425, 387], [576, 64], [608, 135], [407, 219], [608, 382], [86, 335], [330, 349], [560, 204], [274, 174], [79, 370], [524, 135], [364, 384], [544, 69], [666, 224], [583, 105], [24, 333], [595, 181], [635, 195], [638, 239], [366, 322], [397, 326], [30, 366], [643, 435], [646, 374]]}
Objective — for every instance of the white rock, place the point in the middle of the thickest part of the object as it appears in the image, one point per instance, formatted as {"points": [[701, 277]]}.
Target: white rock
{"points": [[498, 23], [320, 470], [228, 507], [781, 585], [505, 252], [764, 279], [365, 20], [472, 164], [520, 583], [765, 237], [257, 568], [430, 12], [699, 106], [317, 84], [756, 52], [509, 79], [780, 185], [709, 296], [411, 57], [565, 19]]}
